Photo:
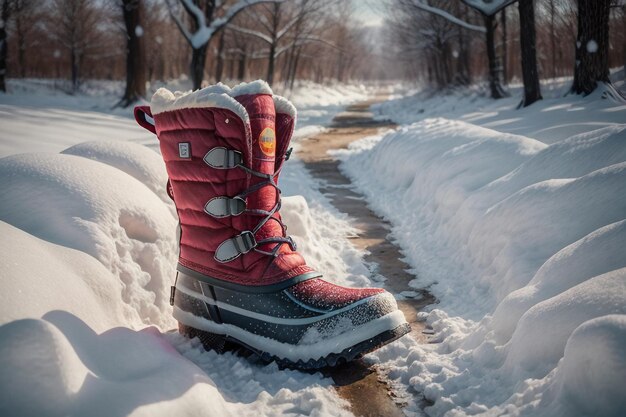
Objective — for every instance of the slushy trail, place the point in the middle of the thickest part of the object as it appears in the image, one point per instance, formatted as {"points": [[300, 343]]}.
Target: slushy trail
{"points": [[357, 383]]}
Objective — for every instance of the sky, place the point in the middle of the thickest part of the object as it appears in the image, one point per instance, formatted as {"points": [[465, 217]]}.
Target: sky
{"points": [[370, 12]]}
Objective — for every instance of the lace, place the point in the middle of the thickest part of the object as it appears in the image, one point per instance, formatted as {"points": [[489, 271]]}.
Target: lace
{"points": [[270, 179]]}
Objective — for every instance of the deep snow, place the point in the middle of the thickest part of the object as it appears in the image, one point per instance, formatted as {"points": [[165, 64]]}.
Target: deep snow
{"points": [[87, 255], [516, 221]]}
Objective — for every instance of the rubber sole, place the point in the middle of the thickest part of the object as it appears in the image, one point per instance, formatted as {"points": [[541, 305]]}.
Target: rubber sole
{"points": [[224, 343]]}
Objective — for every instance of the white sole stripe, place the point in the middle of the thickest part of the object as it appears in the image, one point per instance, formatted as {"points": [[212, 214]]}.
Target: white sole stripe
{"points": [[296, 352], [276, 320]]}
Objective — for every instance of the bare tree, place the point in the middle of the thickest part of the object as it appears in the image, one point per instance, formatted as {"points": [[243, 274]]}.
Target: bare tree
{"points": [[26, 31], [135, 62], [206, 17], [505, 47], [273, 22], [592, 46], [532, 89], [489, 8], [77, 25], [4, 20], [553, 34]]}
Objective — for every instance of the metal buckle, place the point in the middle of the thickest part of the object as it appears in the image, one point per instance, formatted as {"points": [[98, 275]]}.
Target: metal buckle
{"points": [[224, 206], [222, 158]]}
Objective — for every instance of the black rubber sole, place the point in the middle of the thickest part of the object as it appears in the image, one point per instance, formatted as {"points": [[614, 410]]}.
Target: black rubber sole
{"points": [[223, 343]]}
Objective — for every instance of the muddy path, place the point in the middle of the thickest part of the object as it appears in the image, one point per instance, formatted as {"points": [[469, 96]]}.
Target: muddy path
{"points": [[356, 382]]}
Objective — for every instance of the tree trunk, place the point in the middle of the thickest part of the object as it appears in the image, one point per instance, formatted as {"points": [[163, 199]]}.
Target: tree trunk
{"points": [[21, 43], [624, 37], [219, 70], [530, 75], [553, 37], [592, 46], [495, 87], [464, 54], [135, 68], [505, 48], [294, 69], [241, 70], [270, 64], [3, 44], [74, 63], [198, 58]]}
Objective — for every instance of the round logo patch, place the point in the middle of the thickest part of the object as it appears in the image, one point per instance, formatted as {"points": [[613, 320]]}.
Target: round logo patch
{"points": [[267, 141]]}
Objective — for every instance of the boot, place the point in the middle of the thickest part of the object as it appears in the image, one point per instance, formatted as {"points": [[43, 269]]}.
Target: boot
{"points": [[240, 278]]}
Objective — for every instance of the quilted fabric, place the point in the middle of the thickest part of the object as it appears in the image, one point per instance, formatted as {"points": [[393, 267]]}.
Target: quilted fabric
{"points": [[193, 183]]}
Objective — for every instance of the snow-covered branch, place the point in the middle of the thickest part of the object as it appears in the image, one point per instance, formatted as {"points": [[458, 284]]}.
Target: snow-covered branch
{"points": [[488, 7], [251, 32], [447, 16], [205, 30]]}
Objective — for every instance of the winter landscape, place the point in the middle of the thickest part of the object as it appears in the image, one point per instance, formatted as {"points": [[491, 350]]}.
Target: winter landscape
{"points": [[467, 156]]}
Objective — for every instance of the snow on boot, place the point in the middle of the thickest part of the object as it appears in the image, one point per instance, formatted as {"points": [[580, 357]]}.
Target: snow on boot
{"points": [[240, 279]]}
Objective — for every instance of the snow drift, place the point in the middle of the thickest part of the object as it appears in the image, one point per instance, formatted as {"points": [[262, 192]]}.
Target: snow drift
{"points": [[526, 237], [87, 256]]}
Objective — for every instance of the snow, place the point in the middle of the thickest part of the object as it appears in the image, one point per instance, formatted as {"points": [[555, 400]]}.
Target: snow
{"points": [[448, 16], [488, 7], [592, 47], [87, 256], [515, 220]]}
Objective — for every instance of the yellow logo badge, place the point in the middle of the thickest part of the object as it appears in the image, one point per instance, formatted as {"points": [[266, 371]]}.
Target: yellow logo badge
{"points": [[267, 141]]}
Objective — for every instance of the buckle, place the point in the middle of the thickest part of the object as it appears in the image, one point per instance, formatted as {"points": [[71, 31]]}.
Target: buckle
{"points": [[222, 158], [225, 207], [231, 248]]}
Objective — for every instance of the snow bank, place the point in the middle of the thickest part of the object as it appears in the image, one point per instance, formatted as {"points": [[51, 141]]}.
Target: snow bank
{"points": [[559, 116], [39, 116], [39, 276], [88, 244], [102, 211], [524, 244]]}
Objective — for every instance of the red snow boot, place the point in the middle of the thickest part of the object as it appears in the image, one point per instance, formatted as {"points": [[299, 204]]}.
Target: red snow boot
{"points": [[240, 279]]}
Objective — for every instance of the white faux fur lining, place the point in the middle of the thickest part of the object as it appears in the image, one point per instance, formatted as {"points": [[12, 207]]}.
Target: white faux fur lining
{"points": [[282, 105], [254, 87], [220, 96], [164, 100]]}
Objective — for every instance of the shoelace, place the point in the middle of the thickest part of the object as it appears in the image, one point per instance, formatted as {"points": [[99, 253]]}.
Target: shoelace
{"points": [[268, 215]]}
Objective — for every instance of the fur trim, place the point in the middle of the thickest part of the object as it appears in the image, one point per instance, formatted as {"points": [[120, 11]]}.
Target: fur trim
{"points": [[214, 96], [220, 96], [282, 105], [254, 87]]}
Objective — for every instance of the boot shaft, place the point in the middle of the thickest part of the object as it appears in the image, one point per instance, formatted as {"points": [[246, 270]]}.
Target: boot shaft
{"points": [[216, 143]]}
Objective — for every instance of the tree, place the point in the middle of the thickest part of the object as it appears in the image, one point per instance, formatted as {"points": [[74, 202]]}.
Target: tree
{"points": [[532, 89], [135, 61], [4, 19], [505, 47], [207, 17], [489, 8], [592, 46], [495, 87], [77, 25], [272, 21]]}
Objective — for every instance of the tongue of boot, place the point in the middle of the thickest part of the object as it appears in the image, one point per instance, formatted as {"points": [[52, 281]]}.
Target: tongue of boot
{"points": [[258, 102]]}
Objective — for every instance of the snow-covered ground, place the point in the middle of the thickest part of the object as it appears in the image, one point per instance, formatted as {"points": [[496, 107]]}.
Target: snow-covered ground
{"points": [[87, 255], [516, 221]]}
